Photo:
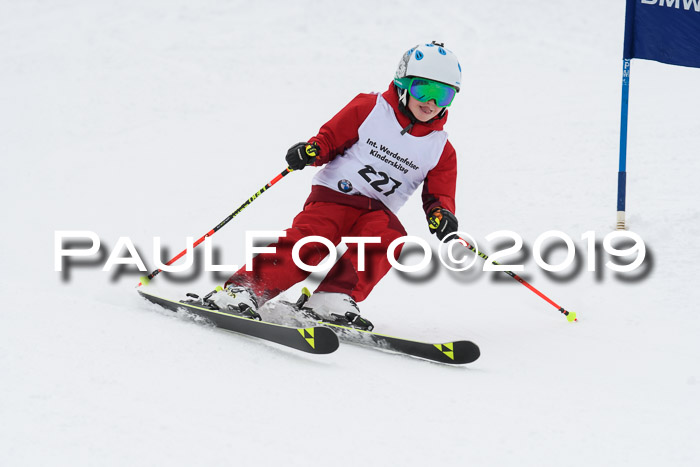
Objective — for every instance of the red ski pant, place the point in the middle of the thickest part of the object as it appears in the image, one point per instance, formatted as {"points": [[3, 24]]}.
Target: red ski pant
{"points": [[273, 273]]}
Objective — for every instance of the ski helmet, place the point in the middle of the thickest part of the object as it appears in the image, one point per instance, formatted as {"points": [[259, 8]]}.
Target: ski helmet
{"points": [[432, 61]]}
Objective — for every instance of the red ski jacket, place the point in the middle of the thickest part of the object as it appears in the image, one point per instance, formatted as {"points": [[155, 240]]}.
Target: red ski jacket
{"points": [[341, 132]]}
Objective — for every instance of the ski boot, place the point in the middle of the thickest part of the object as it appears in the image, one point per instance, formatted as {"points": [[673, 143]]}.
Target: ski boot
{"points": [[236, 300], [333, 308]]}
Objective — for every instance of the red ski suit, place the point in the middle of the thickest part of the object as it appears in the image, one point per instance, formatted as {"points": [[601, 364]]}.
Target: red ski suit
{"points": [[333, 214]]}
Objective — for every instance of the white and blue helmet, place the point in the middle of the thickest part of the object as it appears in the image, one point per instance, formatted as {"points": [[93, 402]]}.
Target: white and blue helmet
{"points": [[432, 61]]}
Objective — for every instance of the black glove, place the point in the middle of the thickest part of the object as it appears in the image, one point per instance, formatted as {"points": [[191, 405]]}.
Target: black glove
{"points": [[442, 223], [302, 154]]}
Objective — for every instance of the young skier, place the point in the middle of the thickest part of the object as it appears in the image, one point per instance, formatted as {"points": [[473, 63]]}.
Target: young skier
{"points": [[375, 153]]}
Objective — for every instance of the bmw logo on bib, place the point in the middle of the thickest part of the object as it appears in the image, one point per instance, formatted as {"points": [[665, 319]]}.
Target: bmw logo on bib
{"points": [[345, 186]]}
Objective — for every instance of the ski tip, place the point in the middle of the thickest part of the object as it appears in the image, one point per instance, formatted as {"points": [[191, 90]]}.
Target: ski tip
{"points": [[306, 292], [458, 352], [468, 352], [321, 339]]}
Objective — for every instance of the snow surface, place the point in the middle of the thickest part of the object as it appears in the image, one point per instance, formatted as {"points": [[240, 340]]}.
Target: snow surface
{"points": [[159, 118]]}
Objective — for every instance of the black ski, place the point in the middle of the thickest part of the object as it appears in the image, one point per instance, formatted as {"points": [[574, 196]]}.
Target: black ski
{"points": [[457, 352], [454, 353], [313, 339]]}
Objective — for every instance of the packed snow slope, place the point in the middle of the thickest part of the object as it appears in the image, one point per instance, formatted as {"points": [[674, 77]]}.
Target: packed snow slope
{"points": [[145, 119]]}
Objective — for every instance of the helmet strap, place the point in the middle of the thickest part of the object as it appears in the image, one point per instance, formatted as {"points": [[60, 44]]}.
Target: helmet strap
{"points": [[403, 96], [405, 110]]}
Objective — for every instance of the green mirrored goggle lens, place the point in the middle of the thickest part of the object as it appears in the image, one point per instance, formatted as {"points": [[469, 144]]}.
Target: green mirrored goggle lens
{"points": [[424, 90]]}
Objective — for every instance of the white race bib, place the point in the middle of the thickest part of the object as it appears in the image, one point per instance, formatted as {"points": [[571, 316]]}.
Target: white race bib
{"points": [[383, 164]]}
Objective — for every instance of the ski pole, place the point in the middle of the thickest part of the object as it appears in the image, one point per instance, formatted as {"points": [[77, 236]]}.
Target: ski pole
{"points": [[570, 315], [146, 279]]}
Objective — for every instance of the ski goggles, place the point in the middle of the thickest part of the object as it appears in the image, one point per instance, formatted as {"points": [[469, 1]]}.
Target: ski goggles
{"points": [[424, 90]]}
